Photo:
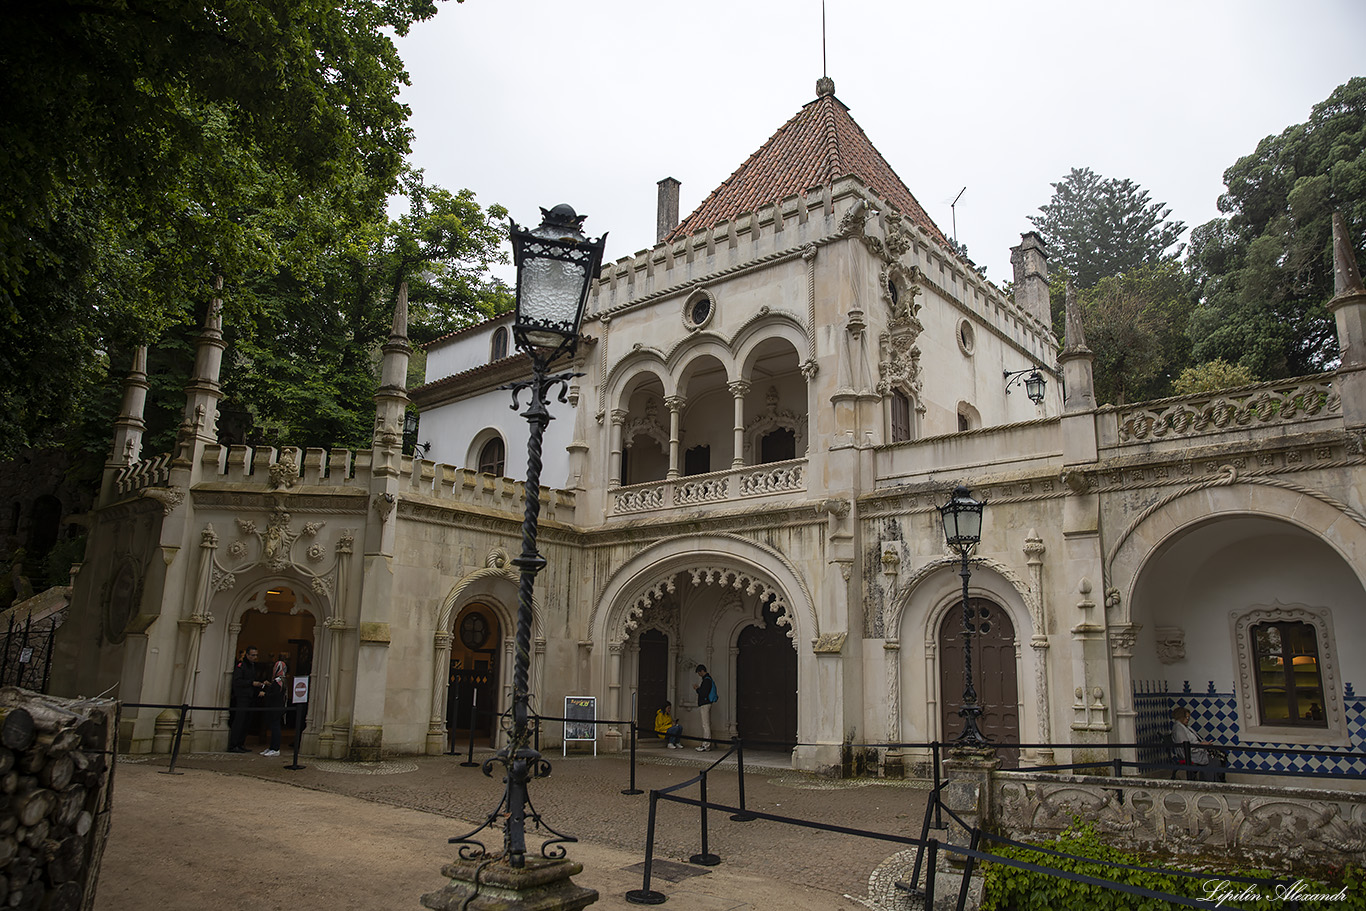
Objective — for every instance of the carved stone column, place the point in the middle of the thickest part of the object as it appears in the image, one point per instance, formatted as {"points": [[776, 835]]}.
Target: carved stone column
{"points": [[894, 764], [614, 456], [739, 389], [1038, 640], [1122, 639], [612, 738], [436, 725], [675, 405], [329, 654]]}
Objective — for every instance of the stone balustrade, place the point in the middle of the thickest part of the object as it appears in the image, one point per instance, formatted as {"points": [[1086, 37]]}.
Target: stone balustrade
{"points": [[777, 478], [1280, 402], [1253, 819]]}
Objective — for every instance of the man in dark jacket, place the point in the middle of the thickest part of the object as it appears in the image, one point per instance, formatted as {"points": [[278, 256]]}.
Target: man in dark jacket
{"points": [[706, 696], [245, 687]]}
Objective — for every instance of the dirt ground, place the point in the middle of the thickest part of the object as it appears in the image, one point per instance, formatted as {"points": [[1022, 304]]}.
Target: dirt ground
{"points": [[242, 832]]}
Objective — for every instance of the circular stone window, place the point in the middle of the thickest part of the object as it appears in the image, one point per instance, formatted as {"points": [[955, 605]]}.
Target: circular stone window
{"points": [[698, 311], [967, 339]]}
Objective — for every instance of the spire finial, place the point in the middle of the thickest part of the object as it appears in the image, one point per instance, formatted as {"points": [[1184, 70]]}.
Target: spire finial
{"points": [[1074, 338], [1346, 276], [400, 329]]}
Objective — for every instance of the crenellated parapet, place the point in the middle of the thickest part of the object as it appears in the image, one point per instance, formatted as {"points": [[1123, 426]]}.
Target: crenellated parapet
{"points": [[291, 469], [792, 227]]}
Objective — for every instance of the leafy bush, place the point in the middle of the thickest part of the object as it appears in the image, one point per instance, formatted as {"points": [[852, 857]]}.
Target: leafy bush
{"points": [[1011, 889]]}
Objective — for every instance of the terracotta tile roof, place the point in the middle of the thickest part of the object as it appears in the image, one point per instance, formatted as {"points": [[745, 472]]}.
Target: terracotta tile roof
{"points": [[817, 146]]}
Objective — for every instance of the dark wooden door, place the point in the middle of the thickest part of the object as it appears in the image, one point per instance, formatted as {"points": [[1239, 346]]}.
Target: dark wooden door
{"points": [[993, 673], [766, 687], [652, 679]]}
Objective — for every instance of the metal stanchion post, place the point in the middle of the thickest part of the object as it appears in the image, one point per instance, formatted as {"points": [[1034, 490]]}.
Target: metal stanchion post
{"points": [[298, 735], [474, 706], [744, 815], [938, 817], [451, 718], [175, 746], [706, 858], [933, 858], [644, 895], [967, 869], [633, 790]]}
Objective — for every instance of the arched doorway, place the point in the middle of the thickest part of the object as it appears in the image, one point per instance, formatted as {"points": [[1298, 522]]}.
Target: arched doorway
{"points": [[279, 627], [472, 690], [652, 678], [993, 672], [766, 685]]}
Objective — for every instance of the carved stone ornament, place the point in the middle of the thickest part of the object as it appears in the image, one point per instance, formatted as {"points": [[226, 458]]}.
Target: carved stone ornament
{"points": [[1171, 644], [829, 643], [775, 418], [383, 504], [284, 472], [168, 497], [122, 597], [649, 425]]}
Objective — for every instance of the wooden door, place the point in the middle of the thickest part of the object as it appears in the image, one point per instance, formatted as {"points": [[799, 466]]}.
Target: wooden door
{"points": [[993, 673], [766, 687], [652, 679]]}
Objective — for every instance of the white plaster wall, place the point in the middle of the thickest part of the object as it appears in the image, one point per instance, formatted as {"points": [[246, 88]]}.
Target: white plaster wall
{"points": [[465, 351], [451, 428], [1232, 565]]}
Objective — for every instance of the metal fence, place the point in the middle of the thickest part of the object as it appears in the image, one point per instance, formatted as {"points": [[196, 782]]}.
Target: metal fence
{"points": [[26, 654]]}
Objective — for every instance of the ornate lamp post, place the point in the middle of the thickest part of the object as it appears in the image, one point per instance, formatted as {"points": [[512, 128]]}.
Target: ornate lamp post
{"points": [[555, 265], [962, 517], [1034, 383]]}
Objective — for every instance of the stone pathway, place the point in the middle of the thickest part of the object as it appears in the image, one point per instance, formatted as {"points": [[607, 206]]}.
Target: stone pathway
{"points": [[256, 835]]}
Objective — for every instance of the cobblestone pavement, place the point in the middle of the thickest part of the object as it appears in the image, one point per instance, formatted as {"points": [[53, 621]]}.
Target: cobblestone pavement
{"points": [[582, 797]]}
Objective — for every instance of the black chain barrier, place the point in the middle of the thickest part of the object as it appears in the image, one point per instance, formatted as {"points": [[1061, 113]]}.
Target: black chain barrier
{"points": [[185, 709]]}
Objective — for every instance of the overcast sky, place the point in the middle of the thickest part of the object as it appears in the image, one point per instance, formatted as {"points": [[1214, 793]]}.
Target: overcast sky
{"points": [[530, 103]]}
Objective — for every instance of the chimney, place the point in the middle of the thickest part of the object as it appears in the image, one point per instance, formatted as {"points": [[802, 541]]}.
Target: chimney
{"points": [[668, 208], [1030, 260]]}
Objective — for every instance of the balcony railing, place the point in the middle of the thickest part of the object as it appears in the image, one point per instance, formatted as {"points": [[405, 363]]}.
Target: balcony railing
{"points": [[743, 483]]}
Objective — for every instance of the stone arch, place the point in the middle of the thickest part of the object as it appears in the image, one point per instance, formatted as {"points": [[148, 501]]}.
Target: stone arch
{"points": [[696, 347], [628, 371], [717, 559], [1336, 524], [912, 624], [768, 324], [246, 595], [472, 587]]}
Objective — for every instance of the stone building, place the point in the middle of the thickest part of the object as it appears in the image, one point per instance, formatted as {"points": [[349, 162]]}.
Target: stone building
{"points": [[776, 399]]}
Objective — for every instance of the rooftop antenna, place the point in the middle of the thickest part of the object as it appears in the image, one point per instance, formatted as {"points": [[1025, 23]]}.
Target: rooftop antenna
{"points": [[954, 212], [824, 70]]}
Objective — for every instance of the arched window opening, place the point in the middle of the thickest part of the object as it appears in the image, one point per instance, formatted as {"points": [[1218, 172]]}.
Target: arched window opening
{"points": [[499, 347], [492, 457], [1289, 681], [901, 417], [697, 460], [778, 445]]}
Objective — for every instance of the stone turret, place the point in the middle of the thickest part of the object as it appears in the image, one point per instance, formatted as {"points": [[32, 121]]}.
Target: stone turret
{"points": [[391, 400], [1348, 307], [1030, 260], [202, 394], [1078, 388], [129, 426]]}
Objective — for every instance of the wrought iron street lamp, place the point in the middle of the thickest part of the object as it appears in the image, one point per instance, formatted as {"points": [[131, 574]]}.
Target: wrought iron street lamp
{"points": [[962, 517], [555, 265], [1034, 383]]}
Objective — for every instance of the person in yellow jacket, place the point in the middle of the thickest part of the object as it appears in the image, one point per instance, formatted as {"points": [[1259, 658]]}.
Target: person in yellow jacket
{"points": [[667, 728]]}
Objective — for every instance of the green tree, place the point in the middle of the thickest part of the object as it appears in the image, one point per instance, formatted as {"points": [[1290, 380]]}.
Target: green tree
{"points": [[150, 146], [1264, 272], [1097, 227], [302, 369], [1212, 376], [1135, 324]]}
